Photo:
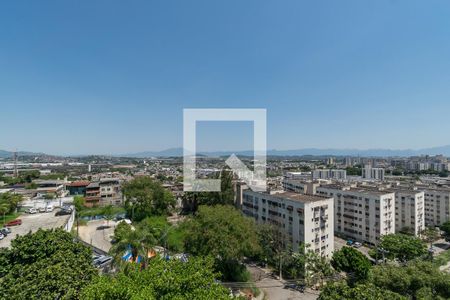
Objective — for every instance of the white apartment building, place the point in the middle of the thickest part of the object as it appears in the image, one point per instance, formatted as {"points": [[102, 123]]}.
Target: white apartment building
{"points": [[361, 214], [372, 173], [329, 174], [302, 218], [300, 186], [409, 210], [437, 206]]}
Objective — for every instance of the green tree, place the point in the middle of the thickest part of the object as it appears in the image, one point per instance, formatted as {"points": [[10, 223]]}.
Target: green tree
{"points": [[172, 279], [445, 227], [136, 240], [108, 213], [414, 279], [46, 264], [430, 235], [341, 291], [191, 200], [222, 232], [352, 261], [402, 246], [146, 197], [12, 200]]}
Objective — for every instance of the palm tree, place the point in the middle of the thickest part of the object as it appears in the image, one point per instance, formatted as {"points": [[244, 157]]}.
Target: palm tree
{"points": [[4, 208], [136, 240]]}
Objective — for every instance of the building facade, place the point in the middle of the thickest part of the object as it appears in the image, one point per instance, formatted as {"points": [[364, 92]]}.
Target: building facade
{"points": [[409, 211], [361, 214], [437, 206], [301, 218]]}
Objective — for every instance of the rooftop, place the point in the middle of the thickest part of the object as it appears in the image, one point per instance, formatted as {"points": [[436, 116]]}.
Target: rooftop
{"points": [[299, 197]]}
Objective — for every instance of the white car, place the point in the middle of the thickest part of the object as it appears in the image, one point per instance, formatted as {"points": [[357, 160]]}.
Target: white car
{"points": [[2, 236], [31, 211], [42, 209], [49, 208]]}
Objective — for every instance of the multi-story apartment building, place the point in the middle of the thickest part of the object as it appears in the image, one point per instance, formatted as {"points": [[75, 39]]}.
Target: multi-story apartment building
{"points": [[329, 174], [302, 218], [360, 213], [104, 192], [300, 186], [437, 206], [409, 210], [372, 173]]}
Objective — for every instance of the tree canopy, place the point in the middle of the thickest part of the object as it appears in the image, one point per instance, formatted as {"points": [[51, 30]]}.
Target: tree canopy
{"points": [[402, 246], [46, 264], [341, 291], [352, 261], [222, 232], [172, 279], [146, 197], [417, 278]]}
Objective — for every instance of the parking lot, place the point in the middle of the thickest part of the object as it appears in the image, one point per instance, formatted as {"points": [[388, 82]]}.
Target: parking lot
{"points": [[339, 243], [33, 223], [98, 233]]}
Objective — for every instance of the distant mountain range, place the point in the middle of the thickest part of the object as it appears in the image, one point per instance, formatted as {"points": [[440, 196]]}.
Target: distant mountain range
{"points": [[444, 150], [176, 152], [9, 154]]}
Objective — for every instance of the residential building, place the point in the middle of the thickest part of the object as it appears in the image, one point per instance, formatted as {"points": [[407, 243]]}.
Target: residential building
{"points": [[77, 187], [437, 205], [360, 213], [409, 210], [300, 186], [329, 174], [301, 218], [92, 195], [368, 172]]}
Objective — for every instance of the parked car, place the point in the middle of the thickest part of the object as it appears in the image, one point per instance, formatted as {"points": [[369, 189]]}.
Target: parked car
{"points": [[42, 209], [102, 260], [357, 244], [5, 230], [49, 208], [1, 236], [31, 211], [15, 222], [62, 212], [349, 242]]}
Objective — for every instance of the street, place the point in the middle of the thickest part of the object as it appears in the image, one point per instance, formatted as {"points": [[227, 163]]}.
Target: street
{"points": [[93, 233], [274, 289], [32, 223]]}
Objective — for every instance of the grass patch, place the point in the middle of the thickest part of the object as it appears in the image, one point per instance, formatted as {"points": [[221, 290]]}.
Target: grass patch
{"points": [[442, 259], [8, 218]]}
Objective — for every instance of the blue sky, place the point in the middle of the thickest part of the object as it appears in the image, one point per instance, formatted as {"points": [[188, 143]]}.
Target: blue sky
{"points": [[80, 77]]}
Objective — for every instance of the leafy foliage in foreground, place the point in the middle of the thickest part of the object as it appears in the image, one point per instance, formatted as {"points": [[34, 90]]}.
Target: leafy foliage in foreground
{"points": [[418, 280], [341, 291], [161, 280], [46, 264], [222, 232]]}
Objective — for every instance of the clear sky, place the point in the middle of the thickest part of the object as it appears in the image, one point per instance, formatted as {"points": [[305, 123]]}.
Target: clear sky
{"points": [[80, 77]]}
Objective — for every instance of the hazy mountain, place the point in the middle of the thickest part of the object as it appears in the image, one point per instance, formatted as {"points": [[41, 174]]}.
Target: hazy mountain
{"points": [[9, 154], [444, 150], [176, 152]]}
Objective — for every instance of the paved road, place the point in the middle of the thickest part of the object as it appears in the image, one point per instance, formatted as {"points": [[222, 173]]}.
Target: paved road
{"points": [[339, 243], [100, 238], [33, 223], [274, 288]]}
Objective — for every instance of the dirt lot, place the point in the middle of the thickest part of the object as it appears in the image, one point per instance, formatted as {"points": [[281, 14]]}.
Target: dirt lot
{"points": [[33, 223], [96, 233]]}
